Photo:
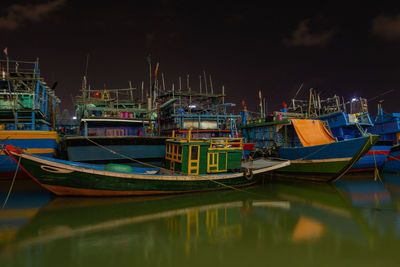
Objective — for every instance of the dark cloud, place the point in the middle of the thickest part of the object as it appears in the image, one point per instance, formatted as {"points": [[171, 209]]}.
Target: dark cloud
{"points": [[387, 27], [303, 36], [17, 14]]}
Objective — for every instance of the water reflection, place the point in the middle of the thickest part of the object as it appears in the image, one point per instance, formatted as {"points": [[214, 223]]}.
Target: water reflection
{"points": [[279, 222], [24, 201]]}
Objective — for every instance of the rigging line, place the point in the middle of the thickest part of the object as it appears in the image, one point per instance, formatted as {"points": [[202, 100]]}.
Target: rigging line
{"points": [[132, 159], [12, 184], [375, 97], [301, 86], [316, 151]]}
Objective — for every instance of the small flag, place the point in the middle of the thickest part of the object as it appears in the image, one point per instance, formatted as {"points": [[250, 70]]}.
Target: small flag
{"points": [[259, 94], [155, 74], [5, 51]]}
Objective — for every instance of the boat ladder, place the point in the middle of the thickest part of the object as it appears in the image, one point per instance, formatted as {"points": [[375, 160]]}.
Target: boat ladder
{"points": [[25, 120]]}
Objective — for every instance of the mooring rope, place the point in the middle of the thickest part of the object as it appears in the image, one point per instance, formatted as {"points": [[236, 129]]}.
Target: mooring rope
{"points": [[129, 158], [236, 188], [12, 184], [376, 171]]}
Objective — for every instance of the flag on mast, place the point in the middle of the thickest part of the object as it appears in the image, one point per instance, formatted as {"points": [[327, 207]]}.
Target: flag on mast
{"points": [[6, 51], [155, 73]]}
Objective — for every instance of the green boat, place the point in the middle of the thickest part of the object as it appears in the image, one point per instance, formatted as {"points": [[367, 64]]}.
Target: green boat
{"points": [[190, 165]]}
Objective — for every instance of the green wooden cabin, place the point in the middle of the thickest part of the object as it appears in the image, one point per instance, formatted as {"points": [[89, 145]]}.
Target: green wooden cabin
{"points": [[196, 157]]}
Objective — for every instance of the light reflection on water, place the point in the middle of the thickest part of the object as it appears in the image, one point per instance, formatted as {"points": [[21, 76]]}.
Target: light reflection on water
{"points": [[354, 222]]}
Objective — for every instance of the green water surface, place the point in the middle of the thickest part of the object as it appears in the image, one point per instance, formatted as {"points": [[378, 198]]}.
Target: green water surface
{"points": [[355, 222]]}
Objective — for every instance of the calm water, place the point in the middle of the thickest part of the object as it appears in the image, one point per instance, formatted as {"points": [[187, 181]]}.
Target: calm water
{"points": [[355, 222]]}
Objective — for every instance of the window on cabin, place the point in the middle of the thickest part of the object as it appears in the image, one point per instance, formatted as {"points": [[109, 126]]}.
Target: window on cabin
{"points": [[194, 153]]}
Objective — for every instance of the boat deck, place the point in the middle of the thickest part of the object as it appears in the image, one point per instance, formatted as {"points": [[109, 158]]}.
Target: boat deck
{"points": [[262, 163]]}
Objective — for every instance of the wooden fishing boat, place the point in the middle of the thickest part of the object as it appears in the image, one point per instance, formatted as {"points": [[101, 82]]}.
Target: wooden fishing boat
{"points": [[205, 114], [113, 127], [314, 153], [388, 126], [191, 165], [27, 113], [345, 120]]}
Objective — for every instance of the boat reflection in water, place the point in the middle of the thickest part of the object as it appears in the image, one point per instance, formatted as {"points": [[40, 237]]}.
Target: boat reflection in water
{"points": [[19, 207], [279, 222]]}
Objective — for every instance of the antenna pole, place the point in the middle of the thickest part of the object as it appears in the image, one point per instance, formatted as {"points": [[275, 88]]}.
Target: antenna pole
{"points": [[205, 81], [211, 85], [163, 82]]}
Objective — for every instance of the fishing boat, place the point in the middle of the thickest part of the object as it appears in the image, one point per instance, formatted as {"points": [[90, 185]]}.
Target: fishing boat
{"points": [[190, 165], [27, 113], [113, 127], [345, 120], [204, 113], [388, 126], [314, 153]]}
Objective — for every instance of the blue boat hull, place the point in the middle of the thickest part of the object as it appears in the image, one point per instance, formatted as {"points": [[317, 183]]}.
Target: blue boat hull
{"points": [[392, 163], [41, 143], [326, 162], [374, 158], [341, 149]]}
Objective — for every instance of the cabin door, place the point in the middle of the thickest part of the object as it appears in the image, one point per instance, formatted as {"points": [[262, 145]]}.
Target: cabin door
{"points": [[194, 156]]}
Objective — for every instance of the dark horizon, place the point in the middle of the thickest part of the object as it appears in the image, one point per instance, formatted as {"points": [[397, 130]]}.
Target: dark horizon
{"points": [[348, 52]]}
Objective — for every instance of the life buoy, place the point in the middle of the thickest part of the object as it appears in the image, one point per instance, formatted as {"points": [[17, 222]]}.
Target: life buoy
{"points": [[248, 174]]}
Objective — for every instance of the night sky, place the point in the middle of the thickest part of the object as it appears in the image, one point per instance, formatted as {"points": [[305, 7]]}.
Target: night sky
{"points": [[350, 52]]}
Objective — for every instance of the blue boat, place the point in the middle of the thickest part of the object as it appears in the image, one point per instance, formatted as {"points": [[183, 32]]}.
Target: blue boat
{"points": [[343, 127], [388, 126], [346, 120], [204, 113], [314, 153], [346, 126], [27, 113], [114, 128]]}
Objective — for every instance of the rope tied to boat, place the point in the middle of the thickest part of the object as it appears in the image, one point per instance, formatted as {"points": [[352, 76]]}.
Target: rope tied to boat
{"points": [[129, 158], [12, 185], [376, 171]]}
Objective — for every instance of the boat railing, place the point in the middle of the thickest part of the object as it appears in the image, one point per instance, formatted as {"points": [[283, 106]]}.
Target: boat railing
{"points": [[12, 69], [226, 143], [25, 93]]}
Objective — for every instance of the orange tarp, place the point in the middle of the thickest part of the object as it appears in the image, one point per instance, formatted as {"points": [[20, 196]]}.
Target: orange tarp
{"points": [[312, 132]]}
